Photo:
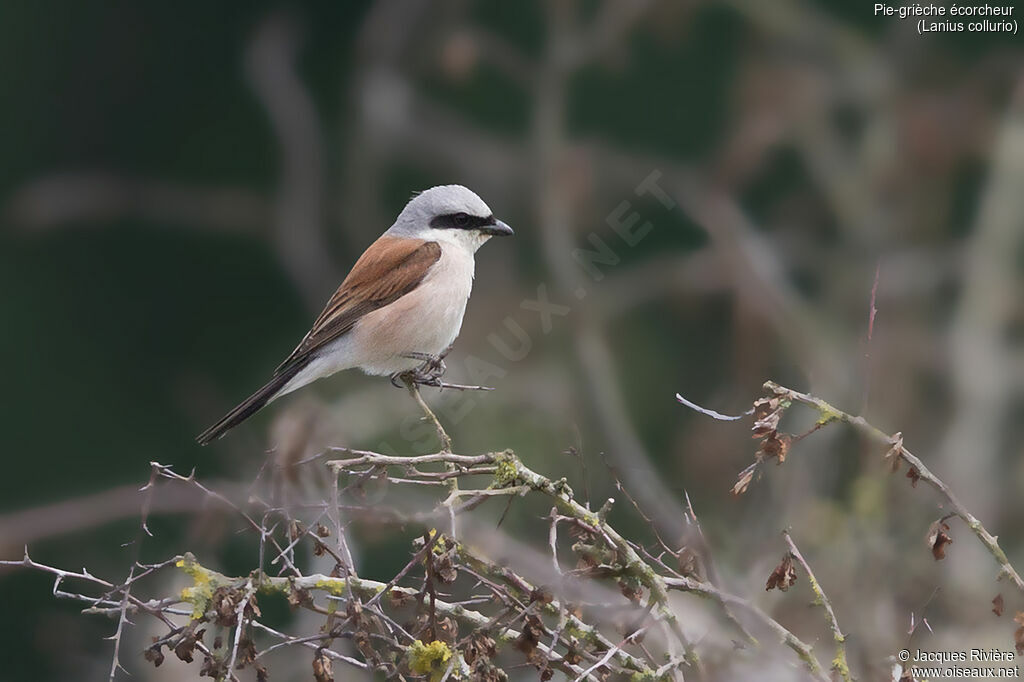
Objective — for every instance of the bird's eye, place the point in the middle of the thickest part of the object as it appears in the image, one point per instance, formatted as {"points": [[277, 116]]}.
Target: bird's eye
{"points": [[461, 219]]}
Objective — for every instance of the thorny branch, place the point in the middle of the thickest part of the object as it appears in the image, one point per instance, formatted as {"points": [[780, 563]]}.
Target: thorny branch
{"points": [[561, 619], [403, 628], [839, 664], [768, 411]]}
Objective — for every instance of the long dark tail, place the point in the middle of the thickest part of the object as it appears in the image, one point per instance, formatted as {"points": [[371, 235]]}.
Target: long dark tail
{"points": [[250, 405]]}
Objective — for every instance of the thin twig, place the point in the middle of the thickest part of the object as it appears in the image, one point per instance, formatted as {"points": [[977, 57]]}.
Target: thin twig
{"points": [[895, 443], [711, 413], [611, 652], [250, 590], [839, 664], [801, 648], [442, 435]]}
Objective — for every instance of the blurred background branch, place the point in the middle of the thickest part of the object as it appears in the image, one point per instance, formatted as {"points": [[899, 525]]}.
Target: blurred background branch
{"points": [[183, 187]]}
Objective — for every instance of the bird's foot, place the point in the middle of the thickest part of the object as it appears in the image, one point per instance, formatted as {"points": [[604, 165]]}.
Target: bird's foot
{"points": [[432, 369], [430, 373], [427, 374]]}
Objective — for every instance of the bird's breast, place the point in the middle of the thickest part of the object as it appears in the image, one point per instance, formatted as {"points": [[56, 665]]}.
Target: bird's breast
{"points": [[426, 320]]}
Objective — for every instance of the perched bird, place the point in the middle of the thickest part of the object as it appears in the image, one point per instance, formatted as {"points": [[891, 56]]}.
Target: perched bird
{"points": [[400, 306]]}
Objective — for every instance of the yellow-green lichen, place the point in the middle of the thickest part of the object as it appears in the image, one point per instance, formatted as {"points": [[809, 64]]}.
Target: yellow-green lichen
{"points": [[827, 415], [506, 470], [429, 659], [268, 586], [333, 586], [201, 591], [574, 631], [646, 676], [839, 665]]}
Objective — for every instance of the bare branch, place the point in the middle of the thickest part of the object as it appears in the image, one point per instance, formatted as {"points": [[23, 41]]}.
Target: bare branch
{"points": [[830, 413], [839, 665]]}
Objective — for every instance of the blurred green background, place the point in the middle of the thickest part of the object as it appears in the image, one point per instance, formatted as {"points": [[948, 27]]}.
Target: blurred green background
{"points": [[184, 184]]}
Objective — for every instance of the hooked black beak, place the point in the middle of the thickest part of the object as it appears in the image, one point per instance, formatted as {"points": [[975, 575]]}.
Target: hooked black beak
{"points": [[497, 229]]}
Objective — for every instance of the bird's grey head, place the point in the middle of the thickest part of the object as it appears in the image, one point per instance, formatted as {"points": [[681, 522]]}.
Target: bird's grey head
{"points": [[449, 213]]}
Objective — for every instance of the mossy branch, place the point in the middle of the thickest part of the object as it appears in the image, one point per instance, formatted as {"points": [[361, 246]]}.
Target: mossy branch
{"points": [[839, 664], [829, 413], [803, 650], [365, 589]]}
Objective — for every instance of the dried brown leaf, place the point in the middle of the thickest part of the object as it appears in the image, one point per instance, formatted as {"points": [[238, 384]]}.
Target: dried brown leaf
{"points": [[775, 445], [631, 590], [687, 561], [533, 630], [323, 669], [542, 594], [447, 629], [154, 655], [445, 570], [767, 413], [213, 667], [399, 599], [914, 476], [297, 597], [1018, 635], [480, 647], [783, 576], [997, 605], [186, 645], [892, 457], [743, 482], [246, 653], [938, 538]]}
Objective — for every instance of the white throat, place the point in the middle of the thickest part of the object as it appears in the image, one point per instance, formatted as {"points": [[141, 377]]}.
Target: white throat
{"points": [[468, 240]]}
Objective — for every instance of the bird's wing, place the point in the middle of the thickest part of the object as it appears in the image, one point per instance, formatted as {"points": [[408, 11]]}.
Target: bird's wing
{"points": [[388, 270]]}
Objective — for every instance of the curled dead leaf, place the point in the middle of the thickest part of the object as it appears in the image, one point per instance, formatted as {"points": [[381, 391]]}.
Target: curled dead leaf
{"points": [[783, 576], [154, 655], [446, 570], [767, 413], [533, 630], [775, 445], [744, 480], [687, 561], [1018, 635], [997, 605], [542, 594], [892, 457], [914, 476], [323, 669], [938, 538]]}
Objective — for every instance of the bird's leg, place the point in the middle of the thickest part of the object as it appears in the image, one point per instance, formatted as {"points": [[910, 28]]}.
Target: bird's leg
{"points": [[432, 369], [414, 390], [430, 373]]}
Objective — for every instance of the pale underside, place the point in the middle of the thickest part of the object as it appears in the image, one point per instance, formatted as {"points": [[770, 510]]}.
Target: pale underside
{"points": [[426, 320]]}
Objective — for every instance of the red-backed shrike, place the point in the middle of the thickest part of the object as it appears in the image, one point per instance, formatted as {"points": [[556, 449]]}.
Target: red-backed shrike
{"points": [[402, 302]]}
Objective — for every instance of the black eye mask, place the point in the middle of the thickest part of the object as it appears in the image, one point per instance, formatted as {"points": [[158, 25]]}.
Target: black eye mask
{"points": [[460, 221]]}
